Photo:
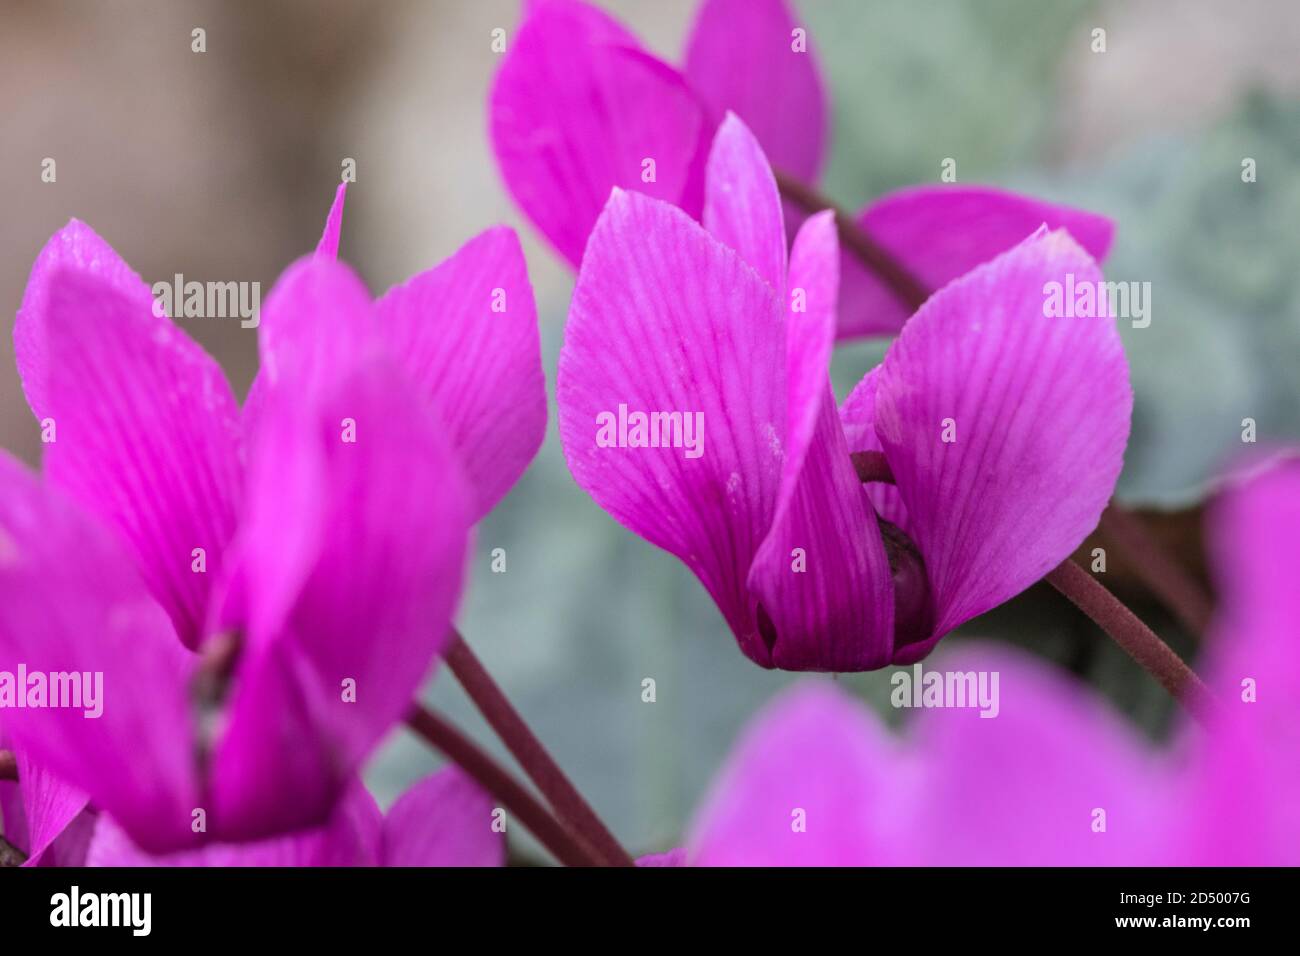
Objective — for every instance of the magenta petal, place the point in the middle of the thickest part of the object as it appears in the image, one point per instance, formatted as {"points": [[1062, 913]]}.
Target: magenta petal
{"points": [[1038, 408], [49, 807], [443, 820], [741, 57], [742, 207], [323, 676], [940, 232], [466, 330], [665, 319], [314, 323], [1248, 766], [74, 248], [147, 437], [576, 109], [821, 575], [328, 247], [350, 838], [72, 601], [669, 858], [1024, 787], [814, 781]]}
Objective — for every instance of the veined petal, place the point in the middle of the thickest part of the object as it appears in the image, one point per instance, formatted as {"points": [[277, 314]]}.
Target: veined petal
{"points": [[1247, 767], [147, 437], [74, 248], [814, 781], [49, 808], [1050, 777], [313, 696], [1004, 425], [577, 109], [350, 838], [72, 602], [443, 820], [821, 575], [742, 207], [665, 320], [941, 232], [744, 56], [466, 330]]}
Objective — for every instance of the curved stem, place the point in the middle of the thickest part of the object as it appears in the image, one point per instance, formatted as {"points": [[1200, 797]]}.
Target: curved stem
{"points": [[1152, 565], [1139, 641], [1164, 576], [1106, 611], [523, 744], [518, 802], [908, 289]]}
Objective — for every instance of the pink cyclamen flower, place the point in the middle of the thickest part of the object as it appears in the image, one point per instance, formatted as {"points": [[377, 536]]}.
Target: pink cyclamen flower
{"points": [[1004, 427], [446, 819], [258, 629], [579, 107], [1056, 778]]}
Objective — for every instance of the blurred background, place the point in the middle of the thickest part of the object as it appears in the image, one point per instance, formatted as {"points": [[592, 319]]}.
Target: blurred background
{"points": [[221, 165]]}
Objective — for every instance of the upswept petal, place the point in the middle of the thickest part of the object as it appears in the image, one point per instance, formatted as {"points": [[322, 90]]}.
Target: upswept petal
{"points": [[742, 208], [576, 109], [1004, 427], [446, 819], [1247, 768], [821, 574], [74, 248], [71, 601], [941, 232], [314, 323], [466, 331], [665, 319], [147, 437], [310, 700], [814, 781], [328, 247], [1055, 778], [744, 56]]}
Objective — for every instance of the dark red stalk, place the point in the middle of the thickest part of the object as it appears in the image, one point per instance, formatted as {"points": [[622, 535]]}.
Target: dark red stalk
{"points": [[518, 802], [1153, 566], [523, 744], [8, 765]]}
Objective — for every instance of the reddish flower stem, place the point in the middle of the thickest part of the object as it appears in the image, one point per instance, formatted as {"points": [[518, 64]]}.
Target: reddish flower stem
{"points": [[1140, 643], [518, 802], [1152, 564], [1106, 611], [8, 765], [537, 763]]}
